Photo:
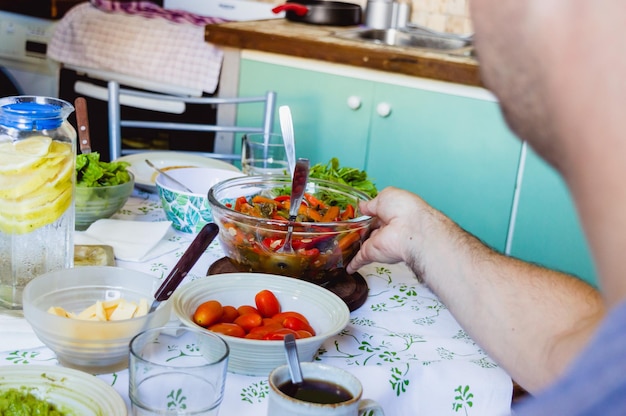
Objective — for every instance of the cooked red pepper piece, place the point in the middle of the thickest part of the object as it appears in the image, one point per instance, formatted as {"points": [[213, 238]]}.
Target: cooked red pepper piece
{"points": [[282, 198], [347, 240], [310, 213], [331, 214], [307, 243], [273, 243], [311, 253], [279, 216], [239, 202], [313, 201], [348, 213]]}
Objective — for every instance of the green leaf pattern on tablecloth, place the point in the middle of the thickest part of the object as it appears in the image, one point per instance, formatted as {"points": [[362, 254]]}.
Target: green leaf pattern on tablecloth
{"points": [[27, 357], [463, 399], [256, 392], [403, 333], [368, 342], [398, 381]]}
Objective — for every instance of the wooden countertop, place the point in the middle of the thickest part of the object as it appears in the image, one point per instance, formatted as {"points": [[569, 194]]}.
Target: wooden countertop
{"points": [[281, 36]]}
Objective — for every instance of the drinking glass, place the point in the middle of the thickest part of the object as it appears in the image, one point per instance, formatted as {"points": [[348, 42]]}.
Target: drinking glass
{"points": [[177, 371], [263, 154]]}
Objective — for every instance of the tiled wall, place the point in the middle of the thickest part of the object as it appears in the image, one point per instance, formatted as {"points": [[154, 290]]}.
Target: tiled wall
{"points": [[443, 15]]}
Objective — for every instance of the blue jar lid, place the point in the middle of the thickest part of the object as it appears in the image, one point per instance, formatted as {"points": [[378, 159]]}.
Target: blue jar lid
{"points": [[32, 115]]}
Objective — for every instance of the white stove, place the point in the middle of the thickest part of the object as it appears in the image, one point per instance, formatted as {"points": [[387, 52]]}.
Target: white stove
{"points": [[23, 44]]}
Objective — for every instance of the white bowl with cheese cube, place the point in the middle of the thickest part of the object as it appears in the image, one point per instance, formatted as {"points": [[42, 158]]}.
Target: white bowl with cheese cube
{"points": [[88, 315]]}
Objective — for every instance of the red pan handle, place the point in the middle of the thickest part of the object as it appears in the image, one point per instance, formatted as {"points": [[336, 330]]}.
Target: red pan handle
{"points": [[298, 9]]}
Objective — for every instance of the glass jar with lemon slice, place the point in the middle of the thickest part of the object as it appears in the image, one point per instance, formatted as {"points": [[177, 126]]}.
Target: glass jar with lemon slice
{"points": [[37, 163]]}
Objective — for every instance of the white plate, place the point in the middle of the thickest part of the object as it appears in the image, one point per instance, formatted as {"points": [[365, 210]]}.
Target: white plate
{"points": [[71, 391], [145, 176]]}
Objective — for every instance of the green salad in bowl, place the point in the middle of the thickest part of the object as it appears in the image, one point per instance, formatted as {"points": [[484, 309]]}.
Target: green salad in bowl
{"points": [[102, 188]]}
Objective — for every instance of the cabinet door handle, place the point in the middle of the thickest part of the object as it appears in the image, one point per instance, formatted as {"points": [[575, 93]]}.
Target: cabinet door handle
{"points": [[383, 109], [354, 102]]}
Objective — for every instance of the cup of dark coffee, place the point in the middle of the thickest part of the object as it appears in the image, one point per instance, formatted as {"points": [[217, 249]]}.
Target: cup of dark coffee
{"points": [[326, 390]]}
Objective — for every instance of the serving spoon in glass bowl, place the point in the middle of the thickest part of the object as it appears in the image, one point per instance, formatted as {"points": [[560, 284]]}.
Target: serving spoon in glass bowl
{"points": [[298, 186], [286, 127]]}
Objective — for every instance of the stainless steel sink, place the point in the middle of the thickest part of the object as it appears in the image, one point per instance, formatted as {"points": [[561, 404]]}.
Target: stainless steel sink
{"points": [[412, 38]]}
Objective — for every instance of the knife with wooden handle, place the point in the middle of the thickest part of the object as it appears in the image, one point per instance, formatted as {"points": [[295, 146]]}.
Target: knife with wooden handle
{"points": [[82, 122], [184, 265]]}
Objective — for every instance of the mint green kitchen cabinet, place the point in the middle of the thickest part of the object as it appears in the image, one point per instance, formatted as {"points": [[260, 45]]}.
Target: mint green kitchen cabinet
{"points": [[547, 229], [324, 126], [453, 151]]}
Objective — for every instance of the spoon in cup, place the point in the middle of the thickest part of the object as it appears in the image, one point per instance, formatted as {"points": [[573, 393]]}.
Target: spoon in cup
{"points": [[291, 351]]}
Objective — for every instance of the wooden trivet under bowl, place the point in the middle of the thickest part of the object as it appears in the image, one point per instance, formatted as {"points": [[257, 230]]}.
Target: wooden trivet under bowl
{"points": [[351, 288]]}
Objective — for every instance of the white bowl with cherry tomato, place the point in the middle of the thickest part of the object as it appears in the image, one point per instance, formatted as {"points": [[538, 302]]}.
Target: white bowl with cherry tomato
{"points": [[254, 311]]}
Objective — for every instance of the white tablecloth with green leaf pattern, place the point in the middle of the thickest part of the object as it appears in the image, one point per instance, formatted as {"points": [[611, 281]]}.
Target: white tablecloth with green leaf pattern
{"points": [[409, 353]]}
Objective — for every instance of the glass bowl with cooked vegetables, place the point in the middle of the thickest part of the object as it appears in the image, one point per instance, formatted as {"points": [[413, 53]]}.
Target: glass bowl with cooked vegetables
{"points": [[252, 213], [102, 188]]}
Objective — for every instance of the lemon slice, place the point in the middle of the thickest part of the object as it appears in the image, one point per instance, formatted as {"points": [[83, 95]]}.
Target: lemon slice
{"points": [[34, 193], [45, 194], [35, 146], [53, 168], [24, 154], [18, 186], [22, 222]]}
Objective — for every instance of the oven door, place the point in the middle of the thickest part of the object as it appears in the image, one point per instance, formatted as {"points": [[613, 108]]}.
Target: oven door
{"points": [[8, 84], [75, 84]]}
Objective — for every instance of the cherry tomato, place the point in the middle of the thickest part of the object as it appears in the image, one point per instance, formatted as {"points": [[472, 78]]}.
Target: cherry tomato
{"points": [[255, 335], [297, 324], [249, 321], [267, 303], [279, 334], [271, 321], [229, 314], [208, 313], [303, 334], [232, 330], [280, 317], [261, 331], [244, 309]]}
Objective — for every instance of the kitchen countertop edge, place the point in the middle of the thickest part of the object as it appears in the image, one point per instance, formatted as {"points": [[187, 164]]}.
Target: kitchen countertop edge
{"points": [[318, 42]]}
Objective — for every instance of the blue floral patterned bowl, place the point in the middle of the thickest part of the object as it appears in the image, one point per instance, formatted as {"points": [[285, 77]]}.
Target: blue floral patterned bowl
{"points": [[190, 211]]}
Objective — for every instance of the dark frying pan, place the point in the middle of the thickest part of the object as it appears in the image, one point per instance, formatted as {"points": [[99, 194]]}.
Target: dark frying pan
{"points": [[321, 12]]}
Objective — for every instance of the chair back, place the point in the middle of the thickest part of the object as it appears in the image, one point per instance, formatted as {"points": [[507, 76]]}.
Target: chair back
{"points": [[225, 126]]}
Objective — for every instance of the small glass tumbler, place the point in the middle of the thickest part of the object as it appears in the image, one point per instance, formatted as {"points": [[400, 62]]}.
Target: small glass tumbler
{"points": [[263, 154], [177, 371]]}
